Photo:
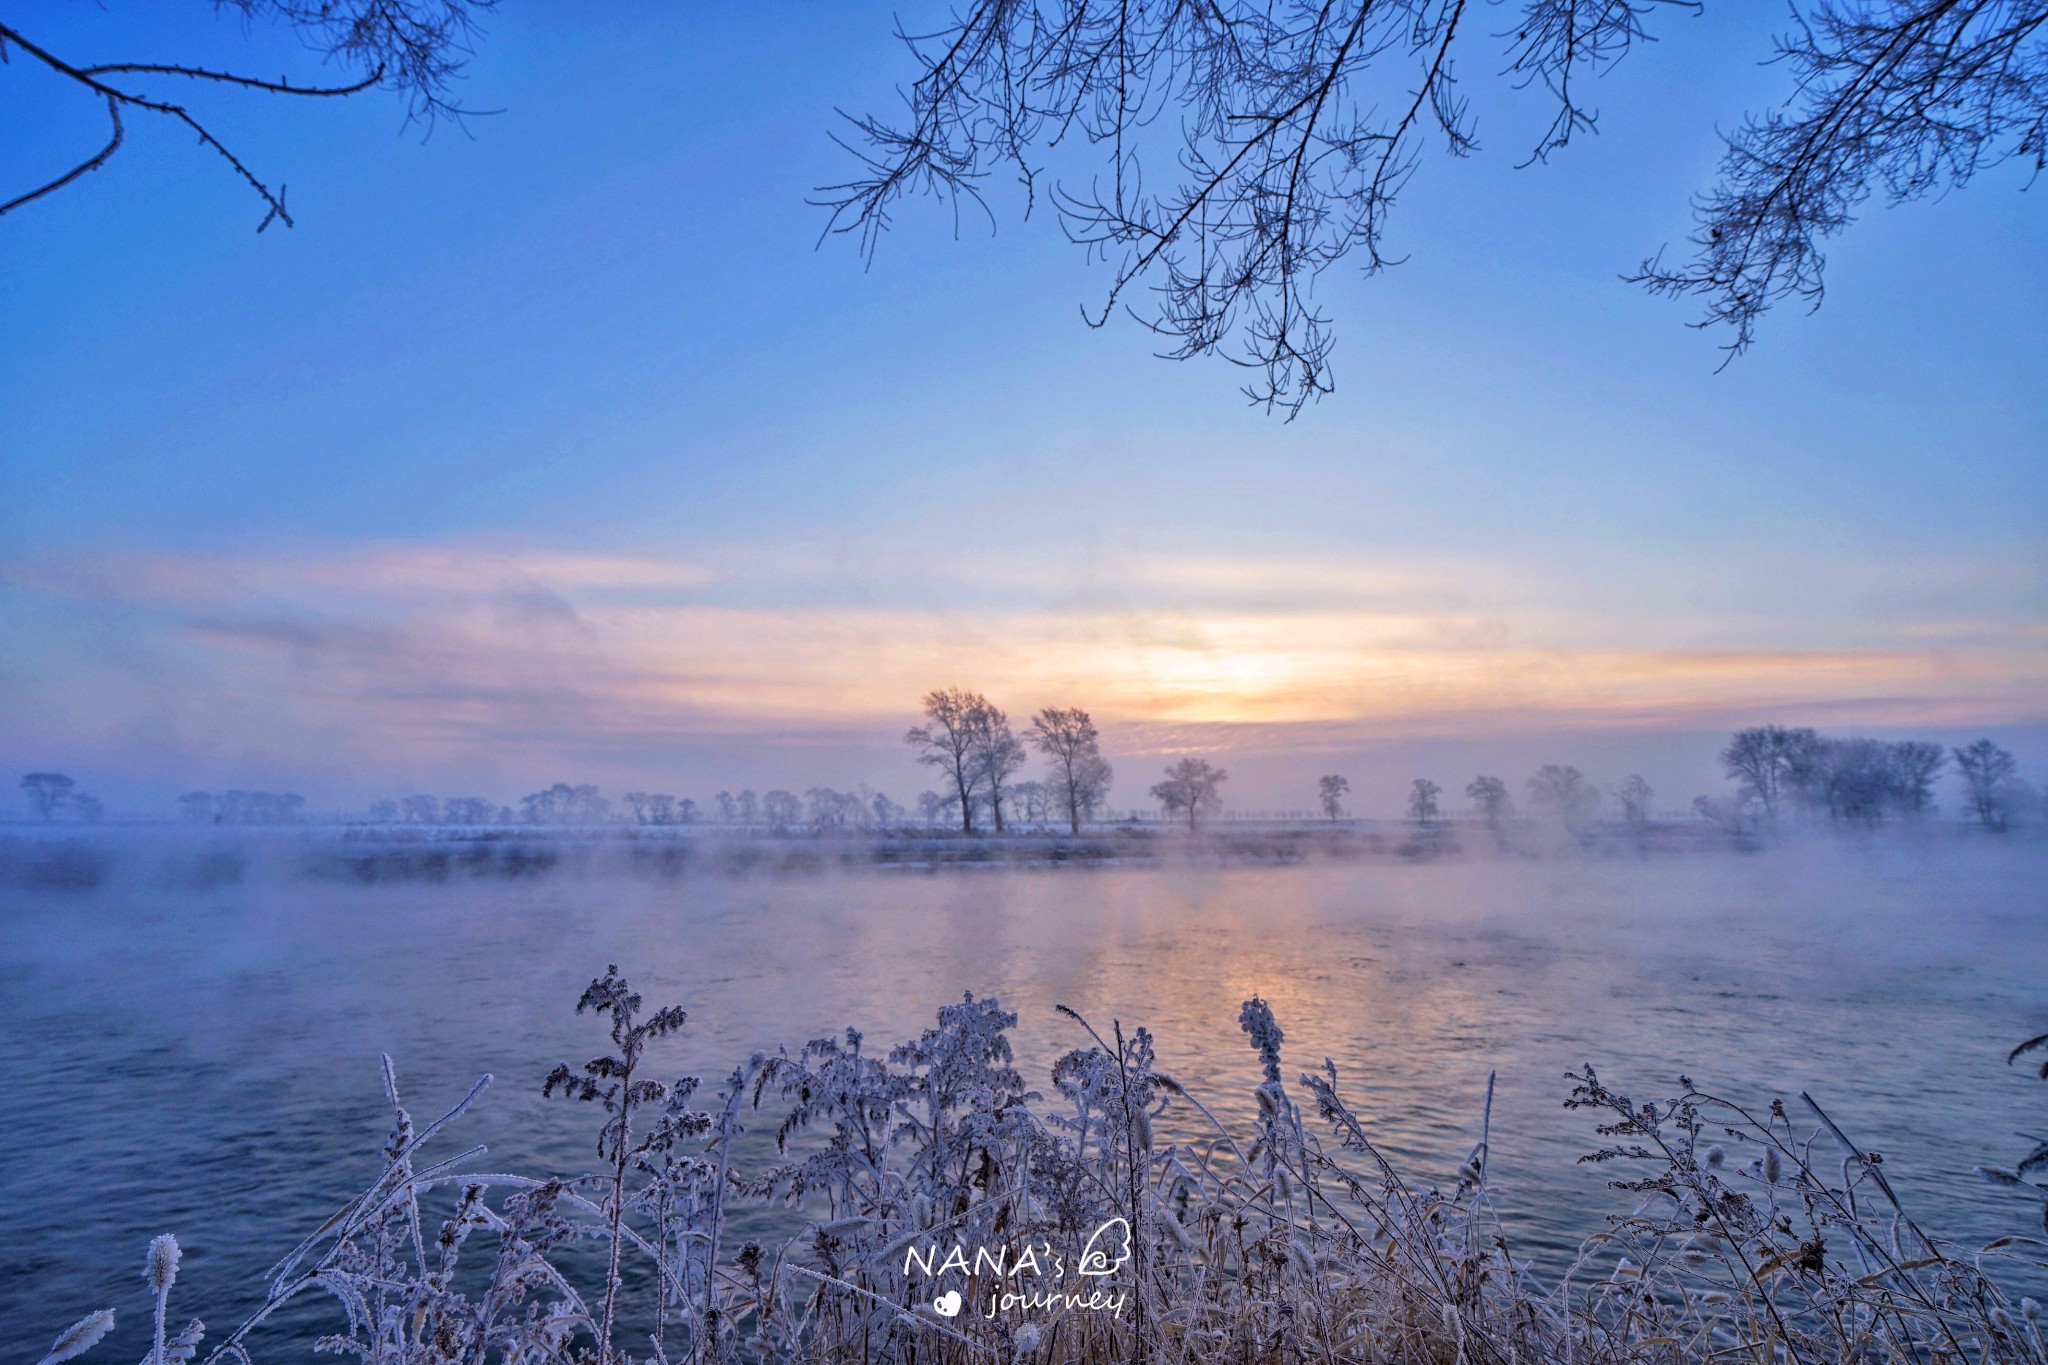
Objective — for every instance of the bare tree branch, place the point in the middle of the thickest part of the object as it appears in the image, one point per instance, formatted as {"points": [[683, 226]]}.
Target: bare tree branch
{"points": [[1905, 96], [1291, 127], [229, 78], [414, 47], [91, 164], [1268, 114]]}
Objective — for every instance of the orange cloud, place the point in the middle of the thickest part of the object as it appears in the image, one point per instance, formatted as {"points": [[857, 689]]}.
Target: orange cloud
{"points": [[466, 647]]}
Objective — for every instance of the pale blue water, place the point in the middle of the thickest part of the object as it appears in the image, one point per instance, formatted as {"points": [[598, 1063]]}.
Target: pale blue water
{"points": [[204, 1061]]}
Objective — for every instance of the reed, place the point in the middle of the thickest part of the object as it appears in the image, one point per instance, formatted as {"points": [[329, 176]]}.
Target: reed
{"points": [[1083, 1234]]}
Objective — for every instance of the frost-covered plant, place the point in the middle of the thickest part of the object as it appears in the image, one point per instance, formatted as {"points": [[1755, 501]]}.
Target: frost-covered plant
{"points": [[1750, 1238], [610, 1081], [1805, 1246], [2027, 1175]]}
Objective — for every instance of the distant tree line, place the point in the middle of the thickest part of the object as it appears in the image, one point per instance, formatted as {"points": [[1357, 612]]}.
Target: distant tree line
{"points": [[1557, 791], [444, 810], [1779, 771], [242, 808]]}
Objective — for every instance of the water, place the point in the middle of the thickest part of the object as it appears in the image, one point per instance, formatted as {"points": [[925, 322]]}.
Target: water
{"points": [[204, 1061]]}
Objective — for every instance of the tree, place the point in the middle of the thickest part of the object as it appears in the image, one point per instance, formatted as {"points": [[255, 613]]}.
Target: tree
{"points": [[468, 810], [563, 804], [1190, 790], [651, 808], [196, 808], [414, 48], [936, 809], [1914, 764], [422, 810], [1289, 131], [547, 807], [47, 792], [1768, 760], [1564, 792], [383, 811], [1855, 779], [1985, 768], [1080, 774], [951, 742], [1806, 769], [781, 809], [998, 753], [1731, 813], [1330, 791], [1635, 796], [1032, 800], [728, 810], [832, 810], [1423, 808], [748, 806], [1490, 795], [686, 812]]}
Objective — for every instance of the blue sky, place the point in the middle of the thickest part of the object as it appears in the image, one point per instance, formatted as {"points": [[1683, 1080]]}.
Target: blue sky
{"points": [[563, 449]]}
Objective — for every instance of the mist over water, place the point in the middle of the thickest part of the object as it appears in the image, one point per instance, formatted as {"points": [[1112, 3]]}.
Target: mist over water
{"points": [[203, 1059]]}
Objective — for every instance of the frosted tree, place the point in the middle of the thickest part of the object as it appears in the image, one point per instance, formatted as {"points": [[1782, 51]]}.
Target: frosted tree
{"points": [[1986, 769], [1191, 791], [781, 809], [1914, 764], [950, 740], [1490, 796], [1080, 774], [1031, 800], [1563, 792], [468, 810], [998, 754], [1424, 806], [46, 793], [1635, 796], [1330, 791], [1770, 761], [934, 808]]}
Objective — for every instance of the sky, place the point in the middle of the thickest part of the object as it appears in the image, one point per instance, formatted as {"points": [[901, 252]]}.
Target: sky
{"points": [[564, 449]]}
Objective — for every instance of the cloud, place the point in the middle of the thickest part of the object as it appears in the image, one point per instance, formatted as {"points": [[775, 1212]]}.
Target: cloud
{"points": [[454, 655]]}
